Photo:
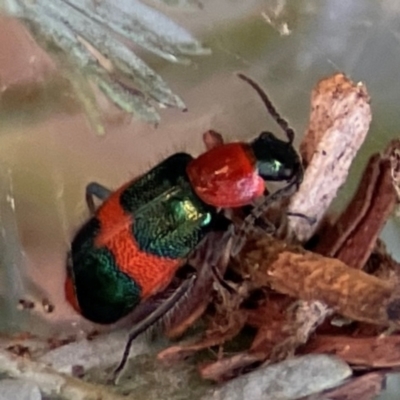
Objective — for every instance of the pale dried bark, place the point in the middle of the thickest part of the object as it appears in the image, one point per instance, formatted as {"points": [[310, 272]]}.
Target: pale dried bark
{"points": [[53, 383], [339, 122]]}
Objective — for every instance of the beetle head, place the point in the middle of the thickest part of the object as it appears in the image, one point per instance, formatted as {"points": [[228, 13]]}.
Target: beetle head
{"points": [[277, 160]]}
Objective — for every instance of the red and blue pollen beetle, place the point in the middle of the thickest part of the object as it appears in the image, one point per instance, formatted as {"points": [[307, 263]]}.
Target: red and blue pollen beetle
{"points": [[134, 243]]}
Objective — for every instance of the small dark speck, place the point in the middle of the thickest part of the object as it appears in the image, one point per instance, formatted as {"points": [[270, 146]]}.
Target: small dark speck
{"points": [[47, 306], [20, 350], [25, 304], [78, 371], [340, 156], [323, 152], [92, 335]]}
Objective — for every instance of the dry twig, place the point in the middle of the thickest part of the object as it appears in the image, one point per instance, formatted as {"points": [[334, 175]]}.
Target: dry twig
{"points": [[339, 122], [51, 382]]}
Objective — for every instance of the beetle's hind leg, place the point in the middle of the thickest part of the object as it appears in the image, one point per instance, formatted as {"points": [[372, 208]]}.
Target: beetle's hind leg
{"points": [[94, 189], [151, 319]]}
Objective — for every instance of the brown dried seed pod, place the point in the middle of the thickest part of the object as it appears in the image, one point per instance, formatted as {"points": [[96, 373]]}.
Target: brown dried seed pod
{"points": [[309, 276]]}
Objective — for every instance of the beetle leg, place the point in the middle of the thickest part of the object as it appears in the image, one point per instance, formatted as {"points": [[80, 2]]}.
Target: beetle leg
{"points": [[94, 189], [240, 234], [212, 139], [221, 281], [150, 320], [310, 220]]}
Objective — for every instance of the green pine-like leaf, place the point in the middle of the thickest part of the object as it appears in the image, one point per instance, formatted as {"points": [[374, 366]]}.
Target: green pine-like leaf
{"points": [[83, 29]]}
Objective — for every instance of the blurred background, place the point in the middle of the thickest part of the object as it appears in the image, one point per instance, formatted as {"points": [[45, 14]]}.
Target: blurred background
{"points": [[49, 151]]}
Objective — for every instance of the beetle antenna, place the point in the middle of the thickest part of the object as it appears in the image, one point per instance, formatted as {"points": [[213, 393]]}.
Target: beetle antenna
{"points": [[270, 107]]}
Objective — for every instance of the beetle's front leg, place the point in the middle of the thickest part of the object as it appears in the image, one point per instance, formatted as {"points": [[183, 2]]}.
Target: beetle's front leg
{"points": [[95, 189], [240, 233]]}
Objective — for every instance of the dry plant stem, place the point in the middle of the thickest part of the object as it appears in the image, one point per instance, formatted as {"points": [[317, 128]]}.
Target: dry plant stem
{"points": [[357, 250], [302, 320], [179, 352], [269, 320], [365, 387], [309, 276], [227, 367], [339, 122], [354, 235], [334, 238], [368, 352], [270, 327], [271, 310], [51, 382]]}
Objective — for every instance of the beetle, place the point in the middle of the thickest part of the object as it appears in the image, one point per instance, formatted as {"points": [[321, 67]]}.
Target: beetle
{"points": [[132, 246]]}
